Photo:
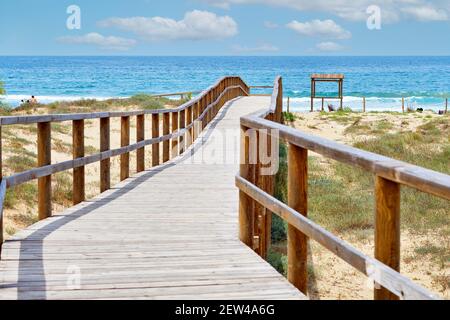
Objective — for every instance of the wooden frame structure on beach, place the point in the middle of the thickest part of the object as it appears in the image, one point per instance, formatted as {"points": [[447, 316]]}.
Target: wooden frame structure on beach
{"points": [[338, 78]]}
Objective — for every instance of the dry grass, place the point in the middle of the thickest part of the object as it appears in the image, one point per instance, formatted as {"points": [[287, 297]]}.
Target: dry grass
{"points": [[19, 153], [341, 197]]}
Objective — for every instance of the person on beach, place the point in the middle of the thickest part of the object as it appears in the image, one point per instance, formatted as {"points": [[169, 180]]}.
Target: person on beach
{"points": [[33, 100]]}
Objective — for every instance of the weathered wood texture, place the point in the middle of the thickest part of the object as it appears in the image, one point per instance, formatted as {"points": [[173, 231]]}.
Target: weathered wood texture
{"points": [[387, 229], [155, 134], [78, 193], [140, 136], [105, 165], [167, 233], [298, 200], [44, 158], [166, 143], [124, 141]]}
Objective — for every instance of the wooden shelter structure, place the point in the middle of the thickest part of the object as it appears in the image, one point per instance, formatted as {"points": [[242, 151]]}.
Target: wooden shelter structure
{"points": [[339, 78]]}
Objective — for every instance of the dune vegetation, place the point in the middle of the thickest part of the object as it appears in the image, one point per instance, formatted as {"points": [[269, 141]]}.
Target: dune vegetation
{"points": [[341, 198]]}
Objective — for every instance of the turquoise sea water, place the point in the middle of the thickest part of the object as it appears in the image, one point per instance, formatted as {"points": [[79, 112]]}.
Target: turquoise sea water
{"points": [[423, 81]]}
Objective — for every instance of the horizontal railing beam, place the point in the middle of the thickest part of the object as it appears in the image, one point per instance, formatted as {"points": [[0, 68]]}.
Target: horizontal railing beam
{"points": [[422, 179], [385, 276]]}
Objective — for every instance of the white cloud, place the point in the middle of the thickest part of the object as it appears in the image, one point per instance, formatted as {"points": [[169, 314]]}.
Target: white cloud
{"points": [[355, 10], [329, 46], [321, 28], [196, 25], [96, 39], [264, 48], [426, 13]]}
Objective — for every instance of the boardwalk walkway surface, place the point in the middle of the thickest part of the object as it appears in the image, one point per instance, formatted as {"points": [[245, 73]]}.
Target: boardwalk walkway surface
{"points": [[168, 233]]}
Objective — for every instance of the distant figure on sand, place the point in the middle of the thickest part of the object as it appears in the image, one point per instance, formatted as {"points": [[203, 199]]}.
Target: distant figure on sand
{"points": [[33, 100]]}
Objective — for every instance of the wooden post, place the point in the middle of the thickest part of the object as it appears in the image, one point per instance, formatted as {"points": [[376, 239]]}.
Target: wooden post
{"points": [[323, 101], [313, 93], [140, 136], [166, 131], [174, 129], [364, 104], [182, 126], [125, 141], [105, 165], [155, 134], [446, 105], [245, 202], [44, 158], [387, 229], [298, 200], [78, 188], [188, 123], [403, 104], [195, 116]]}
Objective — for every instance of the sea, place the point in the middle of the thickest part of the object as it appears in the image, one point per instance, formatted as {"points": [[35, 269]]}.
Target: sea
{"points": [[424, 82]]}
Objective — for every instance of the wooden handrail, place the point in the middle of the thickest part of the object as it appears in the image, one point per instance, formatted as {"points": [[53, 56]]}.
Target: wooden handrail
{"points": [[222, 91], [390, 174], [387, 277]]}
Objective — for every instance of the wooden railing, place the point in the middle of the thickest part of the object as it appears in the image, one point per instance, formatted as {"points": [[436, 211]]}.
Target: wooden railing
{"points": [[187, 121], [256, 200]]}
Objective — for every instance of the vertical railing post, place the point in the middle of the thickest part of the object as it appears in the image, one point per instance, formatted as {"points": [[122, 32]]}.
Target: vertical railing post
{"points": [[166, 131], [140, 136], [195, 115], [258, 210], [182, 126], [387, 229], [298, 200], [124, 141], [78, 191], [174, 130], [246, 171], [105, 164], [44, 159], [155, 134], [188, 123]]}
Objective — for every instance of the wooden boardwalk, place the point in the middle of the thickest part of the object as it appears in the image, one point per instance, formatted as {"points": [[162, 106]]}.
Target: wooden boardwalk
{"points": [[168, 233]]}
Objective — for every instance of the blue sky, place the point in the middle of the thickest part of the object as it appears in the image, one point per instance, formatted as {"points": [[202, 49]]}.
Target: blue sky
{"points": [[226, 27]]}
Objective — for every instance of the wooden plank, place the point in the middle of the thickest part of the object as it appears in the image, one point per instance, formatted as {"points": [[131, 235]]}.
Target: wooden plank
{"points": [[166, 131], [44, 158], [245, 202], [422, 179], [155, 134], [124, 141], [140, 136], [387, 229], [78, 193], [182, 139], [189, 135], [298, 200], [105, 164], [144, 253], [387, 277], [174, 129]]}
